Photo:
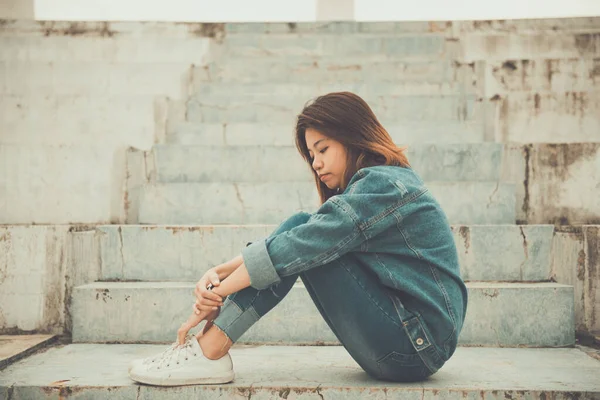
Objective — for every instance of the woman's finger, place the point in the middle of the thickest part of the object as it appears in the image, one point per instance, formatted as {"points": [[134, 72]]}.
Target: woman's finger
{"points": [[182, 333], [209, 303], [214, 279], [202, 292], [198, 309]]}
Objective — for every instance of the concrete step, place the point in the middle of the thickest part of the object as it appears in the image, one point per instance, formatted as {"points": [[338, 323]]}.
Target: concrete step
{"points": [[451, 28], [225, 93], [262, 164], [271, 203], [499, 314], [336, 70], [347, 27], [419, 47], [179, 253], [302, 372], [239, 105], [242, 134]]}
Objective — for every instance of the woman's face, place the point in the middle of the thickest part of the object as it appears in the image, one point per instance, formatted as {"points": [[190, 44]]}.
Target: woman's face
{"points": [[328, 157]]}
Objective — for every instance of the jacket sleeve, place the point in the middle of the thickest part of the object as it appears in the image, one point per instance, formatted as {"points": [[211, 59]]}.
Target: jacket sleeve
{"points": [[342, 224]]}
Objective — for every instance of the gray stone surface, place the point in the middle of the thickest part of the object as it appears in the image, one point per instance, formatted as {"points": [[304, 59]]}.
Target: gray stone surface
{"points": [[278, 107], [252, 203], [576, 262], [273, 372], [262, 164], [295, 93], [562, 183], [16, 347], [518, 26], [272, 134], [557, 116], [508, 46], [171, 253], [394, 47], [175, 253], [336, 69], [499, 314], [505, 252], [335, 27]]}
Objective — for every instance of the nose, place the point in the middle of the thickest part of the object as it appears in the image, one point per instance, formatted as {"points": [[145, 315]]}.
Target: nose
{"points": [[317, 165]]}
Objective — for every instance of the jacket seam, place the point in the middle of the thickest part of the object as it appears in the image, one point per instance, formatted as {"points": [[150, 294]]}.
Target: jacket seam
{"points": [[445, 294], [326, 255], [364, 226]]}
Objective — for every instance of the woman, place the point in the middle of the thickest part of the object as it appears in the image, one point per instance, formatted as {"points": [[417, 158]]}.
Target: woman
{"points": [[377, 258]]}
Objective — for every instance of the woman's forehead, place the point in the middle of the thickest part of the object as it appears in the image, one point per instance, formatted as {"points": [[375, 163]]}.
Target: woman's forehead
{"points": [[313, 136]]}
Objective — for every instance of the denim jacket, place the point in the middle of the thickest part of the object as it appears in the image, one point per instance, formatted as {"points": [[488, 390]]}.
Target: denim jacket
{"points": [[389, 221]]}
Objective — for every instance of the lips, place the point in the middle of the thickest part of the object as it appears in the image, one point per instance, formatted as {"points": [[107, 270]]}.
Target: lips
{"points": [[324, 176]]}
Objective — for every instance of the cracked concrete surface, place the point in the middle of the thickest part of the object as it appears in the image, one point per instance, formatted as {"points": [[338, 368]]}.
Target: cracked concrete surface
{"points": [[303, 372]]}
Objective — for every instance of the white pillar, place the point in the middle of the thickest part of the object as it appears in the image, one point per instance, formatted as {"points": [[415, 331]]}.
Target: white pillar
{"points": [[335, 10]]}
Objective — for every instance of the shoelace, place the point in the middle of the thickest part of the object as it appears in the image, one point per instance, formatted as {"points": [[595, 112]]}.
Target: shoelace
{"points": [[167, 353], [177, 355]]}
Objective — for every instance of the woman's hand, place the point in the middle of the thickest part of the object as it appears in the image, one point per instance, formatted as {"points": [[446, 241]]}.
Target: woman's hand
{"points": [[194, 320], [206, 300]]}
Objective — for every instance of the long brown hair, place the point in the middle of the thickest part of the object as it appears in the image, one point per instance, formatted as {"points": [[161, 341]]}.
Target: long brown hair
{"points": [[347, 118]]}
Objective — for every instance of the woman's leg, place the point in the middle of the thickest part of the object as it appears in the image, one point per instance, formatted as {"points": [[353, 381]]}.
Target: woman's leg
{"points": [[242, 309], [386, 340]]}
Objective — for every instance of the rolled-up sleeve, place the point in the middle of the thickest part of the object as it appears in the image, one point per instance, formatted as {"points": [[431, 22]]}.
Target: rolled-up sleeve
{"points": [[342, 224]]}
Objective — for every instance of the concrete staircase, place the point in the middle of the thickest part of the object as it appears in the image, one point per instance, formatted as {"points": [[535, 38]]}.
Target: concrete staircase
{"points": [[229, 173]]}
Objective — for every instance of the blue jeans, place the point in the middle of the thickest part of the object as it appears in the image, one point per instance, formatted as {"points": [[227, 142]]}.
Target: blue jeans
{"points": [[367, 319]]}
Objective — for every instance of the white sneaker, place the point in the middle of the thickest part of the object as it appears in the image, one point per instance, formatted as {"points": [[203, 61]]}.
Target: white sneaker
{"points": [[182, 365], [157, 357]]}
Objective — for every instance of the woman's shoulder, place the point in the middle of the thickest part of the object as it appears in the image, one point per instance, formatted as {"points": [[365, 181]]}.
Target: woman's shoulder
{"points": [[391, 173], [381, 177]]}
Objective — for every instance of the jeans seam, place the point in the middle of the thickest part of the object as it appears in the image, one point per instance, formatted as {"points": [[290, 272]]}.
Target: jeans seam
{"points": [[369, 295], [250, 305]]}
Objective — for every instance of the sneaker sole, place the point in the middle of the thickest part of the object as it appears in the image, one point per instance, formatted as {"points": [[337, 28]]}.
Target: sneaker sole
{"points": [[156, 381]]}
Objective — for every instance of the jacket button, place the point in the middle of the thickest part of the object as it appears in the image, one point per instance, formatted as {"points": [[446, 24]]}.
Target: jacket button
{"points": [[419, 341]]}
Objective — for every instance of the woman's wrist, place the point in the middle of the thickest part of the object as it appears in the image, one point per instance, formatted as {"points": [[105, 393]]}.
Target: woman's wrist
{"points": [[237, 281], [226, 269]]}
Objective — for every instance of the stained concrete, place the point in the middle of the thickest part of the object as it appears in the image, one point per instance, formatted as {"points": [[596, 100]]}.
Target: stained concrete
{"points": [[97, 371], [179, 253], [271, 203], [499, 314], [432, 162], [14, 347]]}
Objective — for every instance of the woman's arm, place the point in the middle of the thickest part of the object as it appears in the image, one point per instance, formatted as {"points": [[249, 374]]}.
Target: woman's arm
{"points": [[236, 281], [226, 269]]}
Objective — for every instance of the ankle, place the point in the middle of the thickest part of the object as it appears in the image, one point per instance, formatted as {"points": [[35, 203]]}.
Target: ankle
{"points": [[214, 343]]}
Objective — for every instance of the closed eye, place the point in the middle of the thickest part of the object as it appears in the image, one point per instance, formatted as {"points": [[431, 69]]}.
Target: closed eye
{"points": [[322, 151]]}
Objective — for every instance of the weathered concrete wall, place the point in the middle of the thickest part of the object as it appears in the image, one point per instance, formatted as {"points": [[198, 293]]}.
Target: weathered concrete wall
{"points": [[556, 183], [73, 98], [33, 264], [39, 267], [576, 262]]}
